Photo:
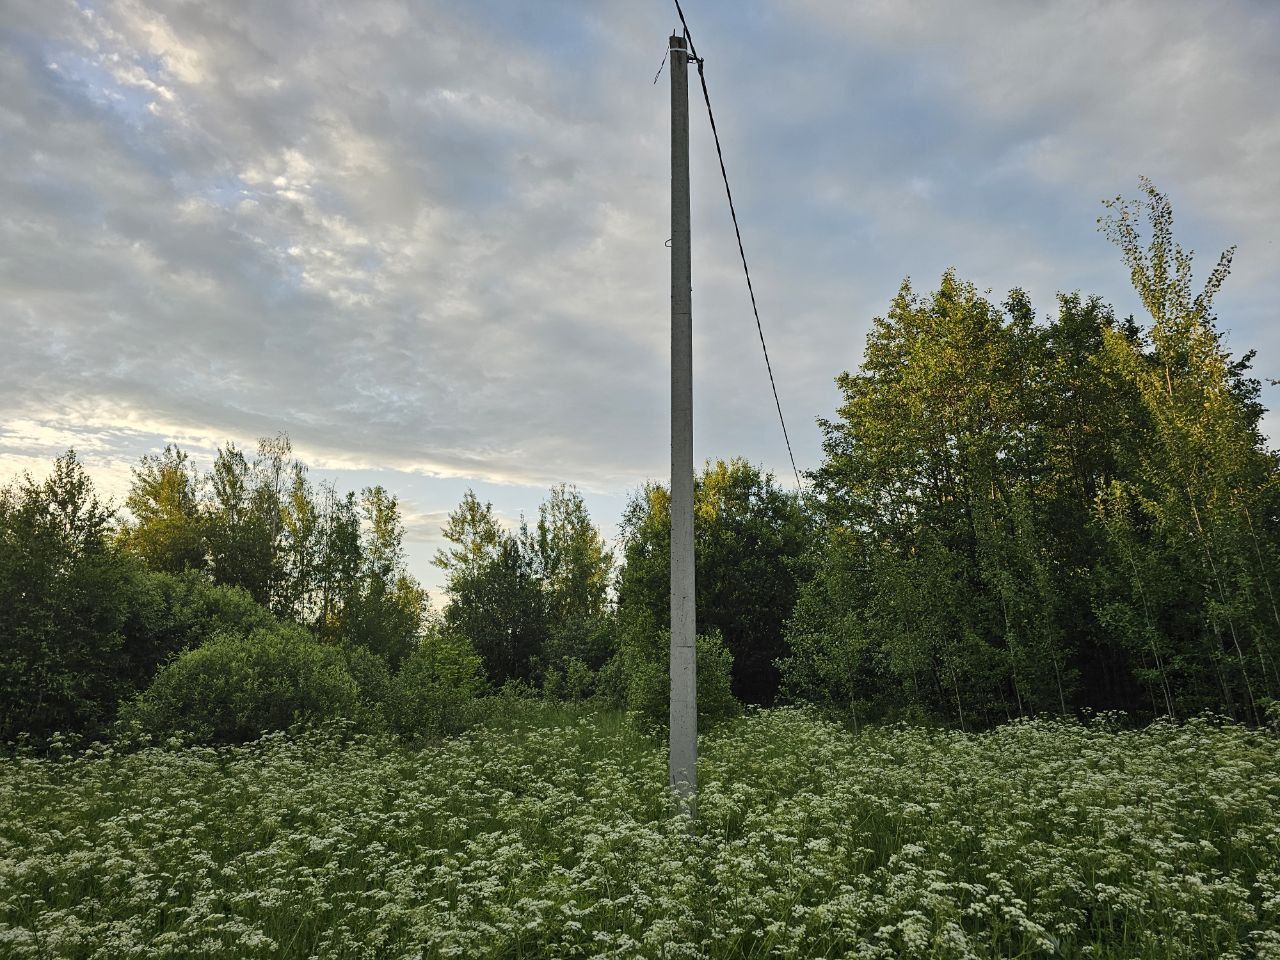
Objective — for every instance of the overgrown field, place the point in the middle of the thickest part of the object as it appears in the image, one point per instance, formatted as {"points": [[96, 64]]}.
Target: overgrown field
{"points": [[556, 839]]}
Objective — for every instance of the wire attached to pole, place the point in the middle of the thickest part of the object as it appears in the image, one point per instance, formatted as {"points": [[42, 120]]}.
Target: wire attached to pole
{"points": [[702, 77]]}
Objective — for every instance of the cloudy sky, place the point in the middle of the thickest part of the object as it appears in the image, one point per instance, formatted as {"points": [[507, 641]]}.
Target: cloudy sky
{"points": [[426, 238]]}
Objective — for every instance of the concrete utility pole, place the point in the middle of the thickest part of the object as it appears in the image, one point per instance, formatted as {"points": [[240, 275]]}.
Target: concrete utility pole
{"points": [[684, 685]]}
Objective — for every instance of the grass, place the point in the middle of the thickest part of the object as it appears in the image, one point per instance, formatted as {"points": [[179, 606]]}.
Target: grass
{"points": [[550, 833]]}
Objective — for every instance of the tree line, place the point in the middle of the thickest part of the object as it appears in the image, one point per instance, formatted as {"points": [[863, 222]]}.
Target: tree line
{"points": [[1022, 516], [1012, 515]]}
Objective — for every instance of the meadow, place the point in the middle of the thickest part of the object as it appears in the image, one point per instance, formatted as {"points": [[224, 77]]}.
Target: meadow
{"points": [[552, 835]]}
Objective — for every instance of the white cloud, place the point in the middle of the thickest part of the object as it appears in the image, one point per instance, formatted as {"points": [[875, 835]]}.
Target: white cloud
{"points": [[427, 238]]}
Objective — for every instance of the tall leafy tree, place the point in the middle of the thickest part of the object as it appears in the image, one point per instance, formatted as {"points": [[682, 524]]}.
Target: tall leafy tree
{"points": [[1204, 486], [387, 610], [1022, 516], [240, 526], [927, 474], [575, 567], [300, 562], [748, 534], [496, 599], [65, 605], [166, 528], [337, 561]]}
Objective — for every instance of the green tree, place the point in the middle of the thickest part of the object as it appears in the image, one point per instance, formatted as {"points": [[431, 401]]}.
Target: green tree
{"points": [[1204, 485], [1022, 516], [239, 526], [575, 568], [246, 520], [748, 534], [496, 601], [166, 529], [935, 444], [66, 605], [476, 535], [337, 562], [299, 563], [387, 610]]}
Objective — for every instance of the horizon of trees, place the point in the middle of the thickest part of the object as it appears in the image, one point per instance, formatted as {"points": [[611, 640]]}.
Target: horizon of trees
{"points": [[1013, 515]]}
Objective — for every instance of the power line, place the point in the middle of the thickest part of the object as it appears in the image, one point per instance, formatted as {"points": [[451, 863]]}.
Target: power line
{"points": [[702, 77]]}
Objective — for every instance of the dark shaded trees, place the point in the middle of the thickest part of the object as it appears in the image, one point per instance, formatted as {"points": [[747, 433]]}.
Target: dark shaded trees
{"points": [[64, 605], [535, 601], [83, 623], [748, 533], [495, 600]]}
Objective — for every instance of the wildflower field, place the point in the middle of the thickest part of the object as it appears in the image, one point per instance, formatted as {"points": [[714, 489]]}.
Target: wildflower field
{"points": [[556, 838]]}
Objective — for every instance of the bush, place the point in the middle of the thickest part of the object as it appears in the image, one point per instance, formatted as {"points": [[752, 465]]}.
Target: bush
{"points": [[648, 682], [169, 613], [572, 680], [591, 640], [610, 688], [236, 687], [433, 694], [196, 608], [374, 682]]}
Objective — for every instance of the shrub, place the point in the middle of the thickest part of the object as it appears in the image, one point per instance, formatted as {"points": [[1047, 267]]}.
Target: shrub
{"points": [[433, 694], [198, 608], [1271, 713], [611, 683], [374, 681], [579, 680], [648, 682], [169, 613], [591, 640], [571, 680], [237, 686]]}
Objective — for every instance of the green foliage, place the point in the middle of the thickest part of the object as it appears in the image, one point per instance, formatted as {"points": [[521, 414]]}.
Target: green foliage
{"points": [[529, 602], [551, 834], [84, 625], [1194, 523], [374, 682], [192, 608], [1013, 516], [166, 529], [387, 610], [575, 569], [609, 685], [498, 607], [434, 693], [235, 687], [1022, 517], [69, 607], [242, 518], [573, 562], [333, 562], [574, 681], [648, 681], [748, 534], [933, 570]]}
